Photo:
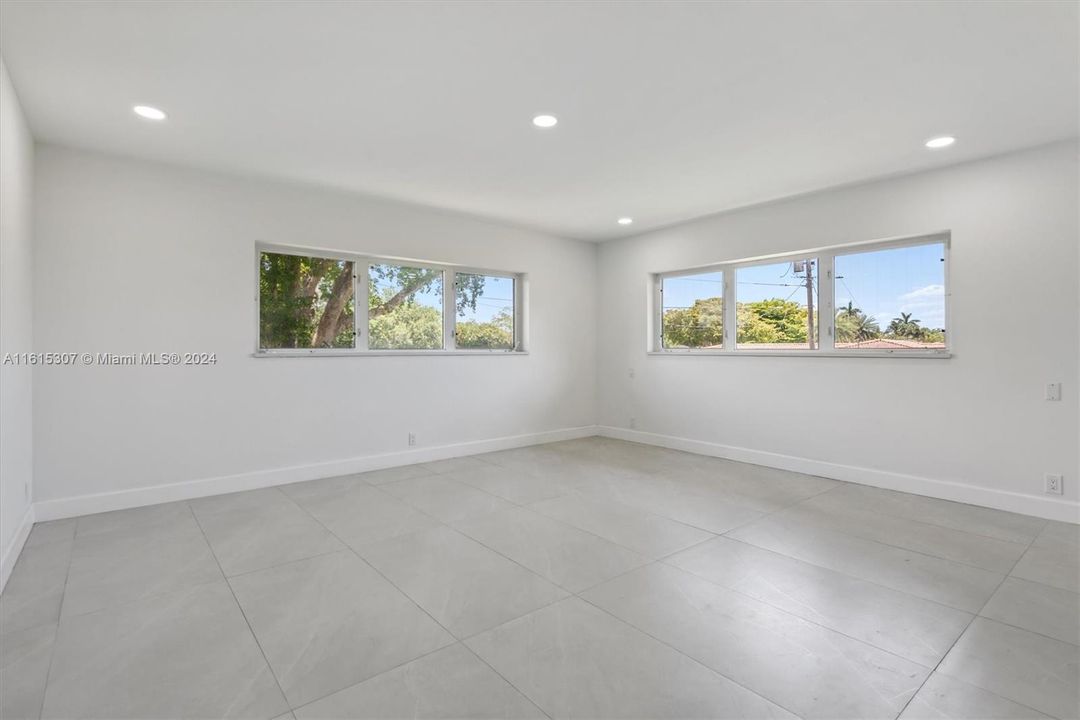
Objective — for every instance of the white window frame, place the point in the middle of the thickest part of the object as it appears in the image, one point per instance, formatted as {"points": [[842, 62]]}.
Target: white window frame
{"points": [[825, 257], [362, 263]]}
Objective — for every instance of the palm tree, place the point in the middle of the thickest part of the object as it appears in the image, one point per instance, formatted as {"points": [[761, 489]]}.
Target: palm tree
{"points": [[905, 326]]}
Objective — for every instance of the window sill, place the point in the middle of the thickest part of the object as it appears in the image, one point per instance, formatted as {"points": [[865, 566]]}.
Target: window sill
{"points": [[913, 354], [384, 353]]}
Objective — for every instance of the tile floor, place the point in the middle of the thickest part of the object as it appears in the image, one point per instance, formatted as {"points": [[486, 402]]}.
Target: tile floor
{"points": [[586, 579]]}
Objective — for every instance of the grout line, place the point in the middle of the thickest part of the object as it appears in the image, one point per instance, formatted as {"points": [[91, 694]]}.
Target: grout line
{"points": [[56, 633], [963, 632], [240, 607], [692, 659]]}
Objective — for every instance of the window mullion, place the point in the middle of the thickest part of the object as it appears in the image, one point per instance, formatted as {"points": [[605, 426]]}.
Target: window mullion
{"points": [[362, 278], [449, 310], [731, 317], [826, 303]]}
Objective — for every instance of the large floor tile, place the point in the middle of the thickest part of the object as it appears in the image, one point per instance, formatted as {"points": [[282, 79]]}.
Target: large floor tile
{"points": [[811, 670], [761, 487], [462, 584], [960, 586], [457, 464], [331, 621], [963, 547], [958, 516], [945, 698], [361, 514], [35, 589], [917, 629], [137, 561], [1051, 564], [1031, 669], [576, 661], [1040, 608], [1058, 533], [564, 555], [24, 667], [188, 654], [517, 485], [263, 534], [52, 531], [643, 532], [447, 684], [393, 474], [445, 499], [695, 504], [148, 516]]}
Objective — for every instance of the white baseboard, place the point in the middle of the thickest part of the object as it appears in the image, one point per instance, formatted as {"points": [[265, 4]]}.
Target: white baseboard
{"points": [[14, 548], [1043, 507], [138, 497]]}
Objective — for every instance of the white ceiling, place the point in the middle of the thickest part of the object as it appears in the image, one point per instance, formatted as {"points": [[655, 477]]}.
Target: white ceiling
{"points": [[668, 110]]}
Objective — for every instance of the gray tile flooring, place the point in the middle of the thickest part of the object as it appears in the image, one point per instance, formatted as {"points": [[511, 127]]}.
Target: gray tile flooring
{"points": [[584, 579]]}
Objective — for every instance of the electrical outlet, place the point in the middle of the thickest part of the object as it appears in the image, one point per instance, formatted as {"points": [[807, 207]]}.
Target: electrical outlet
{"points": [[1053, 391], [412, 439], [632, 373], [1054, 485], [633, 423]]}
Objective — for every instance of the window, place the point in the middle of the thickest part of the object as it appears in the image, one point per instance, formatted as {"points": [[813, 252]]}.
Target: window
{"points": [[777, 305], [405, 308], [879, 298], [314, 303], [485, 311], [306, 302], [892, 299], [693, 311]]}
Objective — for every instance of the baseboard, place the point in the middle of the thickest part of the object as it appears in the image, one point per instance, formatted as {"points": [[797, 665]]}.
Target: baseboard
{"points": [[14, 548], [1043, 507], [138, 497]]}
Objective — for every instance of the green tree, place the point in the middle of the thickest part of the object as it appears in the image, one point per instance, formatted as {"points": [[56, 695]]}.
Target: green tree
{"points": [[772, 321], [853, 325], [497, 334], [307, 302], [905, 327], [700, 325]]}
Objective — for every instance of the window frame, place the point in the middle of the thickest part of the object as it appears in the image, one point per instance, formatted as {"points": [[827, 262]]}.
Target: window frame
{"points": [[826, 318], [361, 289]]}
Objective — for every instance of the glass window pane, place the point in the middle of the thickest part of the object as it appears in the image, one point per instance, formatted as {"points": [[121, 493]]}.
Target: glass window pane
{"points": [[405, 308], [693, 311], [485, 312], [777, 305], [891, 299], [305, 302]]}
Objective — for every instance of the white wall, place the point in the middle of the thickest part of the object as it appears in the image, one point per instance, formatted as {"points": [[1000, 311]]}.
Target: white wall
{"points": [[978, 419], [16, 334], [136, 257]]}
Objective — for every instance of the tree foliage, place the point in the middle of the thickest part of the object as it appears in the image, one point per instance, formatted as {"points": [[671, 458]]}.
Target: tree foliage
{"points": [[307, 302]]}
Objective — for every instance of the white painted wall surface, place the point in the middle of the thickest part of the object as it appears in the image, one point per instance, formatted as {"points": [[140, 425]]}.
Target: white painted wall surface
{"points": [[137, 257], [16, 329], [978, 419]]}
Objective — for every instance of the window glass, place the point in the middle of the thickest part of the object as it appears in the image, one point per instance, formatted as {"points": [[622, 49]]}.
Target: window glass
{"points": [[892, 299], [777, 305], [693, 311], [405, 308], [305, 302], [485, 312]]}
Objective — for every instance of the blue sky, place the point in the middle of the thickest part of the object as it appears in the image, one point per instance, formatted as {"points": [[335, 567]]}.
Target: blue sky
{"points": [[882, 284]]}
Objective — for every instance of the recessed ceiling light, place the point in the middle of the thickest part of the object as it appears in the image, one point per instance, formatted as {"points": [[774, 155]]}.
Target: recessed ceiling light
{"points": [[545, 121], [626, 221], [940, 142], [149, 113]]}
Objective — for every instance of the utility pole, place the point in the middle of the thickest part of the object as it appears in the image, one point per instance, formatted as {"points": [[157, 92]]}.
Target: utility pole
{"points": [[810, 303]]}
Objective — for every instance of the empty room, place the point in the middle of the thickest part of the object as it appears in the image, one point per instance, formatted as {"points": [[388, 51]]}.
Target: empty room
{"points": [[457, 359]]}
